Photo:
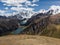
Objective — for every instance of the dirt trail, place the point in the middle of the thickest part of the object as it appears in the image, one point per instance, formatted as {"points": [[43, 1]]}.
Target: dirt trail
{"points": [[28, 40]]}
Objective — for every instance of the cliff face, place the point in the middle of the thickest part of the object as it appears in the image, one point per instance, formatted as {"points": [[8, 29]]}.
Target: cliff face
{"points": [[36, 25], [7, 26]]}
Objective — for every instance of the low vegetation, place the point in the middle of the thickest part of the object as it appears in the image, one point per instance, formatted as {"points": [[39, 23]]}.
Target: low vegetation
{"points": [[52, 30]]}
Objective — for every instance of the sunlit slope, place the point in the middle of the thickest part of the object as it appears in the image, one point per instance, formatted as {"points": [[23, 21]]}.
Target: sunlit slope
{"points": [[28, 40]]}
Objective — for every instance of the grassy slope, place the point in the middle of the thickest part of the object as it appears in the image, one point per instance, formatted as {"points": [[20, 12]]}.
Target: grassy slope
{"points": [[53, 29], [28, 40]]}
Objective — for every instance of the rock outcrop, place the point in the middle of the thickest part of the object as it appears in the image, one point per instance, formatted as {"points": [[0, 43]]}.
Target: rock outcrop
{"points": [[7, 26]]}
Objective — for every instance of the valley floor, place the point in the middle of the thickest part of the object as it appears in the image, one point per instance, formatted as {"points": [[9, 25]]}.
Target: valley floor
{"points": [[28, 40]]}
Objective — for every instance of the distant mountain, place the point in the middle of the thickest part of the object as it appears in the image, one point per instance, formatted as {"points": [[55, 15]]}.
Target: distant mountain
{"points": [[3, 17], [52, 10], [56, 9], [33, 23], [7, 26], [42, 25], [24, 14]]}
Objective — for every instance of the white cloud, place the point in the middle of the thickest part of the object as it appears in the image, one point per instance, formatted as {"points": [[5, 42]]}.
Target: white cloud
{"points": [[6, 4], [18, 6], [42, 11], [34, 5], [3, 13], [54, 7], [13, 1], [28, 3], [18, 2], [6, 8], [22, 8], [35, 0]]}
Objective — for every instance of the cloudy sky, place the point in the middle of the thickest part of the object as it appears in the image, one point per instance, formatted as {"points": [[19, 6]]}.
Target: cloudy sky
{"points": [[8, 7]]}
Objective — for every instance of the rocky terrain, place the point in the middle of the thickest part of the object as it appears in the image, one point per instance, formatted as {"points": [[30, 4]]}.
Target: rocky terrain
{"points": [[40, 24], [7, 25], [43, 25]]}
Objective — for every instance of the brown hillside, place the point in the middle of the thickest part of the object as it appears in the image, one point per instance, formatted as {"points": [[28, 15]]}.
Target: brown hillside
{"points": [[55, 18], [28, 40]]}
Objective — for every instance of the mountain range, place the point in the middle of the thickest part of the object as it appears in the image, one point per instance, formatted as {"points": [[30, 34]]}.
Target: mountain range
{"points": [[30, 22]]}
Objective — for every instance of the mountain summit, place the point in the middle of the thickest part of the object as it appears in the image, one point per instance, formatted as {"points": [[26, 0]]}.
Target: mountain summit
{"points": [[52, 10]]}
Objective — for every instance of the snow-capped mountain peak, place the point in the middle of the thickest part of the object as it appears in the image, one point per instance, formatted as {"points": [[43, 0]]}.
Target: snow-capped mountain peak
{"points": [[55, 9], [42, 11], [52, 10], [25, 14]]}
